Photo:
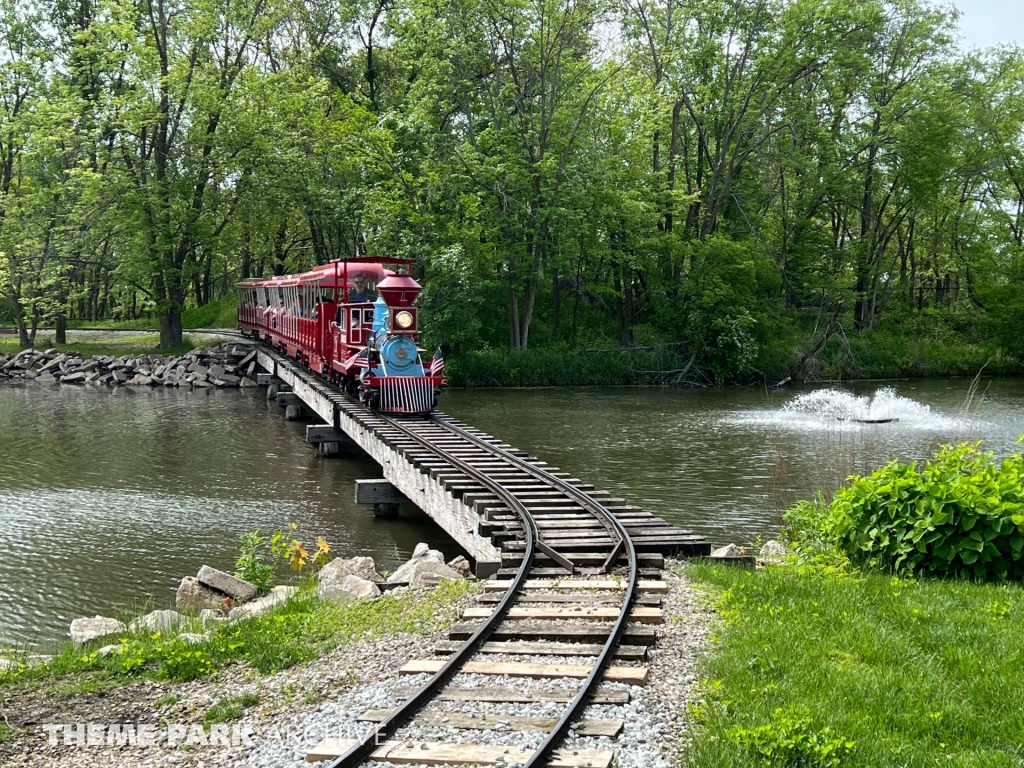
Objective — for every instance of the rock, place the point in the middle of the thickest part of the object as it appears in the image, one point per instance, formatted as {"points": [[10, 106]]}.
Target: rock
{"points": [[461, 565], [120, 376], [227, 380], [226, 583], [334, 573], [106, 650], [86, 630], [194, 638], [216, 371], [351, 588], [46, 378], [729, 550], [194, 597], [246, 382], [73, 378], [263, 604], [773, 551], [423, 552], [212, 616], [157, 621], [423, 573]]}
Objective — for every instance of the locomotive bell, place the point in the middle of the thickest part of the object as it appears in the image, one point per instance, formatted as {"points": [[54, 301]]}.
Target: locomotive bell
{"points": [[399, 290]]}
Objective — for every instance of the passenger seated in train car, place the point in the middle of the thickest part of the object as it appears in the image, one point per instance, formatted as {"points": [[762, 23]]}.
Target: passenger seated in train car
{"points": [[301, 310], [362, 292]]}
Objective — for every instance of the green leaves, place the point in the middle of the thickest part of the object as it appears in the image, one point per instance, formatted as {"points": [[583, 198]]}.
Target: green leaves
{"points": [[958, 515]]}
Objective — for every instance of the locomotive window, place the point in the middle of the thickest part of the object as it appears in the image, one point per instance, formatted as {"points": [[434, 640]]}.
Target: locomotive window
{"points": [[355, 318], [368, 316]]}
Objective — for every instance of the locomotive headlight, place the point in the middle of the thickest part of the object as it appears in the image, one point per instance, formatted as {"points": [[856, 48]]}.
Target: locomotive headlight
{"points": [[404, 320]]}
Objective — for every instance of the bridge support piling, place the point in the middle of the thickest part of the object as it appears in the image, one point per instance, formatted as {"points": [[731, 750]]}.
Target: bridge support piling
{"points": [[272, 389], [385, 510], [293, 412]]}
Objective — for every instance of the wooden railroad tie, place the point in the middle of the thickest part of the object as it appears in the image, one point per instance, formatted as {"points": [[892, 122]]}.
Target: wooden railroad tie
{"points": [[639, 614], [630, 652], [437, 753], [603, 695], [486, 721], [628, 675]]}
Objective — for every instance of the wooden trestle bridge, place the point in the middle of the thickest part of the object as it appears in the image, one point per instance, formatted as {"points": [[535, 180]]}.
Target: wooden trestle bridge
{"points": [[571, 572]]}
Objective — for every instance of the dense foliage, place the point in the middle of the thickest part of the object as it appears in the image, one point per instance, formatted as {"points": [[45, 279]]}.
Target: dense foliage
{"points": [[962, 514], [725, 175]]}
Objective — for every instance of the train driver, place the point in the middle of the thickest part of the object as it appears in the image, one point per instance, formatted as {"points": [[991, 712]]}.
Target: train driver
{"points": [[360, 294]]}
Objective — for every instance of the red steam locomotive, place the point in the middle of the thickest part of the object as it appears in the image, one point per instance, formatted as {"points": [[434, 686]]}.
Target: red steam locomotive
{"points": [[352, 321]]}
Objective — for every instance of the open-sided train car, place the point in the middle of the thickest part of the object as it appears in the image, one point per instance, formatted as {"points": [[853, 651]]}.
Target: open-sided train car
{"points": [[353, 321]]}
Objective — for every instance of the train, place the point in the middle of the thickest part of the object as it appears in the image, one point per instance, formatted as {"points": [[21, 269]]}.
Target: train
{"points": [[353, 321]]}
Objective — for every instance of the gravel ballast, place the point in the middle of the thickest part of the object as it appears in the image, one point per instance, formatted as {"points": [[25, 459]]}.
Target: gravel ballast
{"points": [[300, 706]]}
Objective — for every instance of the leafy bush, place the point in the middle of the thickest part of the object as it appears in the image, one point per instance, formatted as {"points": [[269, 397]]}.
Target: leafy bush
{"points": [[260, 556], [962, 514], [790, 740]]}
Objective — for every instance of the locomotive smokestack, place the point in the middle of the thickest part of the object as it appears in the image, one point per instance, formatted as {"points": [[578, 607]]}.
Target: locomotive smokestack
{"points": [[399, 290]]}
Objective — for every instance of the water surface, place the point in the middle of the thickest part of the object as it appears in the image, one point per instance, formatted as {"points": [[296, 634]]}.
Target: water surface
{"points": [[109, 497]]}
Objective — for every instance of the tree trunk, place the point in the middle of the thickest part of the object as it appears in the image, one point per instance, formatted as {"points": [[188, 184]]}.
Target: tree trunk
{"points": [[61, 331]]}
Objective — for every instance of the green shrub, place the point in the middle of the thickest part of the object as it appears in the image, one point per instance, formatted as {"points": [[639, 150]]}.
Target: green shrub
{"points": [[790, 740], [962, 514]]}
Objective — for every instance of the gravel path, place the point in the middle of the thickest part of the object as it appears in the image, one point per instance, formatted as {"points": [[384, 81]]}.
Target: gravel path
{"points": [[299, 707]]}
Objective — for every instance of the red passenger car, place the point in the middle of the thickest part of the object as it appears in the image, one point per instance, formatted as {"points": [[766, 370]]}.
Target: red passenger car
{"points": [[352, 321]]}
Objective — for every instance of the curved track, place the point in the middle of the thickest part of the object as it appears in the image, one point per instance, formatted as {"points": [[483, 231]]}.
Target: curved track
{"points": [[498, 470]]}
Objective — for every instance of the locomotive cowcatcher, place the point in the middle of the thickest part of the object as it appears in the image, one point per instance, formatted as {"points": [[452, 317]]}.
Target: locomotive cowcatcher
{"points": [[352, 321]]}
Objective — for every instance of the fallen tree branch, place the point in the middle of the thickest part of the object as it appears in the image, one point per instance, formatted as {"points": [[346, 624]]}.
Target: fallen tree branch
{"points": [[815, 349]]}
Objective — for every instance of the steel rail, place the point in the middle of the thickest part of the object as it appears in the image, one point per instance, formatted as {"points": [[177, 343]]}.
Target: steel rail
{"points": [[584, 499], [362, 750], [575, 709]]}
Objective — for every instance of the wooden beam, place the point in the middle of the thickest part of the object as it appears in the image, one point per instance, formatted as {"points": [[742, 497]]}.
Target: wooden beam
{"points": [[438, 753], [325, 433], [484, 721], [378, 492], [640, 614], [628, 675], [288, 398]]}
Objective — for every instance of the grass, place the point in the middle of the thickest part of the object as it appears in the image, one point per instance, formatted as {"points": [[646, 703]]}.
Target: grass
{"points": [[300, 630], [222, 313], [136, 345], [860, 670], [230, 709]]}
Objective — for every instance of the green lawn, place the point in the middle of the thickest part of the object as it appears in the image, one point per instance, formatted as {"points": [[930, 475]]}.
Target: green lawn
{"points": [[136, 345], [864, 670]]}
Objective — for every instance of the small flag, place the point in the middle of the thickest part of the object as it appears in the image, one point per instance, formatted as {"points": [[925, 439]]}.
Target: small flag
{"points": [[437, 364], [360, 359]]}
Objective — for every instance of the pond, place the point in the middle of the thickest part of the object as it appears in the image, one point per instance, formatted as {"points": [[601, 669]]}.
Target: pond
{"points": [[109, 497]]}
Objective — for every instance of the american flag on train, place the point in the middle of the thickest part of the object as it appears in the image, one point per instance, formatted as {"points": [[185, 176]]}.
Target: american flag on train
{"points": [[437, 364], [360, 359]]}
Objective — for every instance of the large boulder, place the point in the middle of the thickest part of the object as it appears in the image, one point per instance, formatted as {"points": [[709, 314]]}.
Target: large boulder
{"points": [[275, 597], [194, 597], [773, 552], [461, 564], [729, 550], [351, 588], [86, 630], [334, 573], [157, 621], [224, 582], [424, 552], [423, 573]]}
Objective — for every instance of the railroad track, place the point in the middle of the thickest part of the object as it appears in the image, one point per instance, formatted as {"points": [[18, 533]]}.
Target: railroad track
{"points": [[568, 607]]}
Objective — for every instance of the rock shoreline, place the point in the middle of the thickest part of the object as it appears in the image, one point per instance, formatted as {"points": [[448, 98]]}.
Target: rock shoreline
{"points": [[230, 364]]}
